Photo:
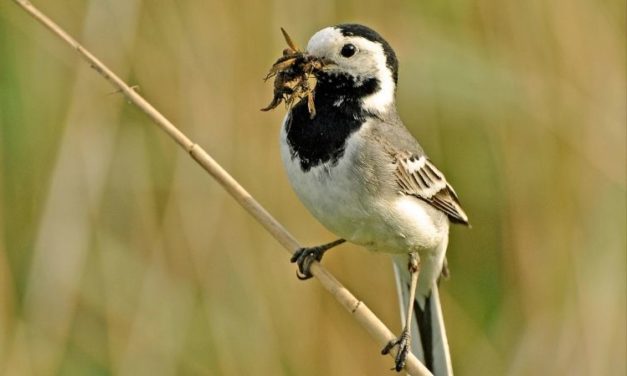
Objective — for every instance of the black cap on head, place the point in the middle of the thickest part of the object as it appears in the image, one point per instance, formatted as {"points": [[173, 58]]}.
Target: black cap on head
{"points": [[349, 30]]}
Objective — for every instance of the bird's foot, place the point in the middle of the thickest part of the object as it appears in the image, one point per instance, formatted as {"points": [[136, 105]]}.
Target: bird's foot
{"points": [[403, 349], [303, 257]]}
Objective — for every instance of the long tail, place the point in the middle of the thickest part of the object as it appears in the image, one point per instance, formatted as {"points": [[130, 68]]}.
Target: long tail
{"points": [[428, 335]]}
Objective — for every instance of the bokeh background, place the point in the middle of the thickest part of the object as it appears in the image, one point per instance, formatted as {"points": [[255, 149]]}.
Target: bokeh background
{"points": [[119, 255]]}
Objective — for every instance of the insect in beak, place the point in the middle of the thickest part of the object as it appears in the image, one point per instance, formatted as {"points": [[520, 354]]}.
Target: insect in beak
{"points": [[293, 47], [294, 76]]}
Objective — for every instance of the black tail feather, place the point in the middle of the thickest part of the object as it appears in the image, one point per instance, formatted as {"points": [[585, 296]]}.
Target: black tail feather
{"points": [[423, 318]]}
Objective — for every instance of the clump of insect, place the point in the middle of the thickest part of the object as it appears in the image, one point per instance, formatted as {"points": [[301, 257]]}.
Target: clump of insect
{"points": [[294, 77]]}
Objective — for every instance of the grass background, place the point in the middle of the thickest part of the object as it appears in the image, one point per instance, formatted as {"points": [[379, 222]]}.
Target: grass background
{"points": [[118, 255]]}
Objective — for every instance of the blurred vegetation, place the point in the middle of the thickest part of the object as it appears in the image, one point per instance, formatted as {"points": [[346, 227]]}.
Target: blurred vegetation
{"points": [[118, 255]]}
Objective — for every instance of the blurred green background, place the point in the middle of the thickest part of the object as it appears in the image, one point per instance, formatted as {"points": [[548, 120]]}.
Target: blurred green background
{"points": [[119, 255]]}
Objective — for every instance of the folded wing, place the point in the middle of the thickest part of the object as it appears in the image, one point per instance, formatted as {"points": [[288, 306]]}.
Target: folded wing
{"points": [[417, 176]]}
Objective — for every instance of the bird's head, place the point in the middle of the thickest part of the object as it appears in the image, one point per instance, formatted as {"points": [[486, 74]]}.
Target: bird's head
{"points": [[359, 64]]}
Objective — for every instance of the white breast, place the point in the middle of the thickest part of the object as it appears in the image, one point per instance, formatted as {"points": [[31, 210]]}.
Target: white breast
{"points": [[330, 191]]}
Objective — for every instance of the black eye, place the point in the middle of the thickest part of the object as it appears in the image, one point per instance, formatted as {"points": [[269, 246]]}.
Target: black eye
{"points": [[348, 50]]}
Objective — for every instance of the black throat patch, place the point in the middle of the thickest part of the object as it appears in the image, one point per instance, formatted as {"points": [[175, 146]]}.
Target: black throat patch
{"points": [[338, 115]]}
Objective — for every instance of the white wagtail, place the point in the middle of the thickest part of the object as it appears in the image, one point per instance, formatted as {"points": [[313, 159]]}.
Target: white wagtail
{"points": [[361, 174]]}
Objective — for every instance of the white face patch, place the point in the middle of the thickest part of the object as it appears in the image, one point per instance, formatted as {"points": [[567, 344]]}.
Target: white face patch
{"points": [[369, 62], [383, 98]]}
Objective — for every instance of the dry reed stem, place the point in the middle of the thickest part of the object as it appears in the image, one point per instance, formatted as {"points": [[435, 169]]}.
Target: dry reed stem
{"points": [[358, 309]]}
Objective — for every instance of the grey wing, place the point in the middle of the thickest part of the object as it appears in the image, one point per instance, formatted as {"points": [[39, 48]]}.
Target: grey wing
{"points": [[417, 176]]}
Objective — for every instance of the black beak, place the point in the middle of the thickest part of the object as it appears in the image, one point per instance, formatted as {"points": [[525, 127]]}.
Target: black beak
{"points": [[323, 60]]}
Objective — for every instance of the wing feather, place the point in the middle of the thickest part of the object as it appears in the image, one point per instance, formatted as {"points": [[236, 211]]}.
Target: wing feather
{"points": [[417, 176]]}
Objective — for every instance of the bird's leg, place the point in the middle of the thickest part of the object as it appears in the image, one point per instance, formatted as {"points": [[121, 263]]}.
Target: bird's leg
{"points": [[303, 257], [403, 341]]}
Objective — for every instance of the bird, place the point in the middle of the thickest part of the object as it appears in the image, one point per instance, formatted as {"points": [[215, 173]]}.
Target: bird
{"points": [[361, 173]]}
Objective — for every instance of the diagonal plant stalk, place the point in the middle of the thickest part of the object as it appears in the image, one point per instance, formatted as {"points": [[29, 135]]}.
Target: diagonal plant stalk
{"points": [[355, 307]]}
